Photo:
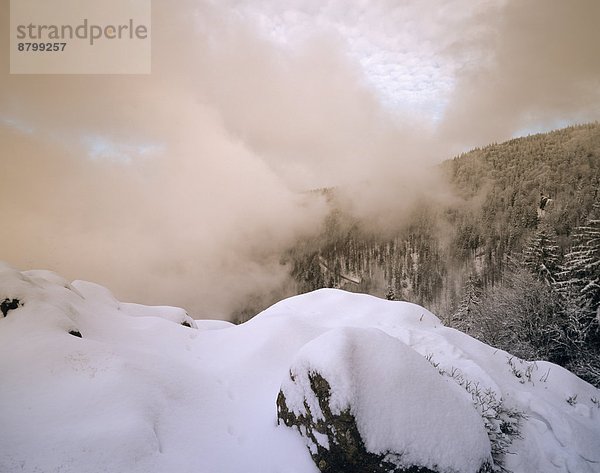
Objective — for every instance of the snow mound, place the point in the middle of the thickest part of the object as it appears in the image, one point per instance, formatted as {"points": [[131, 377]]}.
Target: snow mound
{"points": [[402, 406], [213, 324], [90, 384]]}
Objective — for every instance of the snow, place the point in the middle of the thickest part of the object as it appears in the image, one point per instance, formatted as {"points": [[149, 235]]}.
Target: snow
{"points": [[174, 314], [139, 392], [399, 400]]}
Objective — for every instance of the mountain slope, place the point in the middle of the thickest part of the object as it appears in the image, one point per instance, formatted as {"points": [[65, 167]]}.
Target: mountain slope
{"points": [[442, 244]]}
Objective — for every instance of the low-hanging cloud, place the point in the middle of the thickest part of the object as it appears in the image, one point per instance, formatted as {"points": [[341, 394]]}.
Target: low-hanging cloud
{"points": [[134, 182], [184, 187], [539, 69]]}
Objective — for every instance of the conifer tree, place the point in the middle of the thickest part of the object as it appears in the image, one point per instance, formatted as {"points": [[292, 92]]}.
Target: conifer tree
{"points": [[541, 255], [579, 286], [467, 308], [580, 275]]}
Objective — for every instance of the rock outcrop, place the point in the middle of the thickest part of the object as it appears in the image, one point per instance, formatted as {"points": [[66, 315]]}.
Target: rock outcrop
{"points": [[344, 449], [353, 414]]}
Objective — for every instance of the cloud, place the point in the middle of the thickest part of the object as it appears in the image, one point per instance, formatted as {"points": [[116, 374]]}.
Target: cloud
{"points": [[541, 69], [183, 187], [134, 182]]}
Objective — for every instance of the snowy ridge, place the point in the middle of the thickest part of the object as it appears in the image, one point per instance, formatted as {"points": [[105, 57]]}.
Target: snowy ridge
{"points": [[138, 391]]}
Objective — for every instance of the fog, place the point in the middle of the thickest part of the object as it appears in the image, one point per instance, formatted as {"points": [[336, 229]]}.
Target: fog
{"points": [[539, 70], [185, 186]]}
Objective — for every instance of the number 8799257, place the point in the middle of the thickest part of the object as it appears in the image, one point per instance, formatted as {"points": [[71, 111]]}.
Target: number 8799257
{"points": [[49, 47]]}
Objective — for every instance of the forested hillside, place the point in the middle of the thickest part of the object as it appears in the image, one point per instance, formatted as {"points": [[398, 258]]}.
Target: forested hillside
{"points": [[511, 178], [513, 259]]}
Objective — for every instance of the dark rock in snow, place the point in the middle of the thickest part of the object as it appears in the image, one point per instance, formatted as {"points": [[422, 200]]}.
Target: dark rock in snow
{"points": [[75, 333], [9, 304], [345, 451]]}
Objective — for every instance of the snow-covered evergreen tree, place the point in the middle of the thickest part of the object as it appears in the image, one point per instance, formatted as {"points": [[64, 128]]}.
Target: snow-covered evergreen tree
{"points": [[579, 286], [467, 308], [580, 272], [541, 255]]}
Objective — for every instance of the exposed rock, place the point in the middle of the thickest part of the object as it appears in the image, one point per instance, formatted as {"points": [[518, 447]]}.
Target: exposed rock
{"points": [[366, 402], [75, 333], [344, 450], [9, 304]]}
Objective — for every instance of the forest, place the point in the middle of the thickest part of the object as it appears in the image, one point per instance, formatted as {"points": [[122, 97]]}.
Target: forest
{"points": [[513, 260]]}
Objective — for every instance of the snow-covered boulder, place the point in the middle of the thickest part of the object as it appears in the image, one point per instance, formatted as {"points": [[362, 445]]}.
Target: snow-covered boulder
{"points": [[365, 401]]}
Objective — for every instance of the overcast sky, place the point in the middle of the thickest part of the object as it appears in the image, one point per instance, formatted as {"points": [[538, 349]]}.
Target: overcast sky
{"points": [[182, 186]]}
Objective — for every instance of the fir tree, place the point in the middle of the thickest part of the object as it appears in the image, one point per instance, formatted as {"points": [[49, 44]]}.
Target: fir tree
{"points": [[579, 287], [580, 275], [541, 255], [463, 318]]}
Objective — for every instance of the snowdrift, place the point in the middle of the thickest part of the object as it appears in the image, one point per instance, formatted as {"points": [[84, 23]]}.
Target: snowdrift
{"points": [[90, 384]]}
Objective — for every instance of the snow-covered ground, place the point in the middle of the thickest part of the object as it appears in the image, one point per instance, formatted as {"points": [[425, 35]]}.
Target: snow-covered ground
{"points": [[140, 392]]}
